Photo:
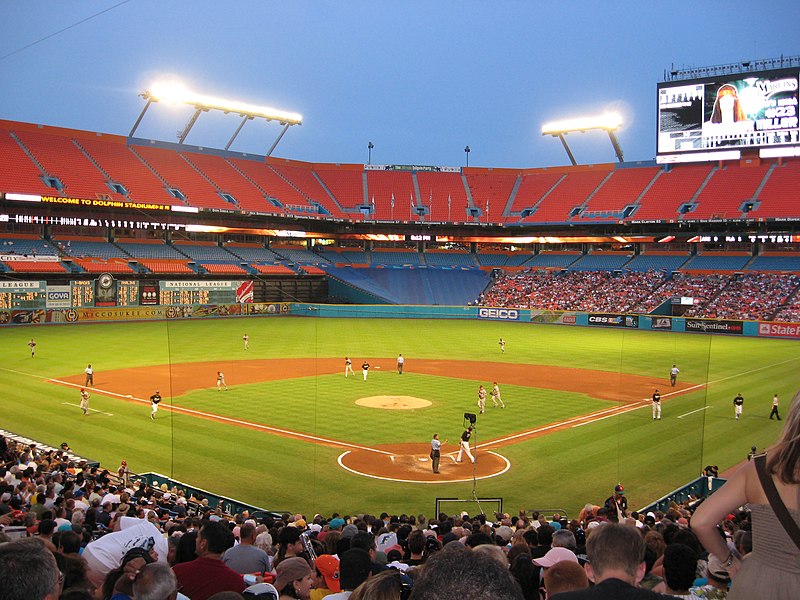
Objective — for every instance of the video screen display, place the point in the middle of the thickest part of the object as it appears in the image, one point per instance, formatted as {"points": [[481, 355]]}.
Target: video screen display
{"points": [[746, 110]]}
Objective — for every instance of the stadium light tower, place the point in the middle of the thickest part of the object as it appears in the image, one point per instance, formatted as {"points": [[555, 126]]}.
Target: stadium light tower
{"points": [[608, 122], [177, 93]]}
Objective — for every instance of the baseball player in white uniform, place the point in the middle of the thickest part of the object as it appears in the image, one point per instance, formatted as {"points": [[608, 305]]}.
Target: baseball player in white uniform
{"points": [[496, 399], [481, 398]]}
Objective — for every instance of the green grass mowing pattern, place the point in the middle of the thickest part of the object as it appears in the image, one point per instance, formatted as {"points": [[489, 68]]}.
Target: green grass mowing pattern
{"points": [[562, 469], [326, 406]]}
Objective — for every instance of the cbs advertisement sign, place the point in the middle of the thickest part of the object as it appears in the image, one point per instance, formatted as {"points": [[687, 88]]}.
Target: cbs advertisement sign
{"points": [[499, 314], [606, 320]]}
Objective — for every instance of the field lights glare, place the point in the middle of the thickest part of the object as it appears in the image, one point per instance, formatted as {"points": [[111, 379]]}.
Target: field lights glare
{"points": [[177, 93], [606, 121], [174, 92]]}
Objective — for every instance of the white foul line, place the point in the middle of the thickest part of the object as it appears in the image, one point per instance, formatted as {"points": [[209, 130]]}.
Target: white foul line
{"points": [[694, 411], [92, 409], [215, 417]]}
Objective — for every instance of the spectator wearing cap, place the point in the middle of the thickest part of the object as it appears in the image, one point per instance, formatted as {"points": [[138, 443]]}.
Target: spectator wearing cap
{"points": [[326, 580], [617, 503], [293, 579], [207, 574], [355, 567], [555, 555], [289, 544], [247, 557]]}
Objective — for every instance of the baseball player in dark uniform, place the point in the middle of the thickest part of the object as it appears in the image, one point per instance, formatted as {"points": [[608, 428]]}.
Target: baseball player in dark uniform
{"points": [[465, 445], [154, 400], [738, 402], [365, 369], [656, 405]]}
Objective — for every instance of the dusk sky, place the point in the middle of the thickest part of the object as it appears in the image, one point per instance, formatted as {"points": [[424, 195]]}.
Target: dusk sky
{"points": [[420, 80]]}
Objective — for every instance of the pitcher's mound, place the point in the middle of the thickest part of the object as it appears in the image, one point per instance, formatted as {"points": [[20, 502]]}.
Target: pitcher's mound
{"points": [[393, 402]]}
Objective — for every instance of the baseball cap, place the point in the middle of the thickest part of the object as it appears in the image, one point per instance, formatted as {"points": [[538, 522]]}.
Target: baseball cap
{"points": [[291, 569], [337, 523], [619, 489], [555, 555], [328, 566]]}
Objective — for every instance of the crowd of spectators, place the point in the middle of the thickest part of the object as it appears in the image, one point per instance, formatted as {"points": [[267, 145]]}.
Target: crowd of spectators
{"points": [[93, 534], [750, 296]]}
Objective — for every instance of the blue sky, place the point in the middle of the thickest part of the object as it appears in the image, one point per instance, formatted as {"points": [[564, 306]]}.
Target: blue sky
{"points": [[421, 80]]}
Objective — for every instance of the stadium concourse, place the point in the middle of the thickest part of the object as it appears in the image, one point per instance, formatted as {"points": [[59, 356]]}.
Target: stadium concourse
{"points": [[104, 525]]}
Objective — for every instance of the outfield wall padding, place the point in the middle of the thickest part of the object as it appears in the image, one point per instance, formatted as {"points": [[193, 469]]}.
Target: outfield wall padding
{"points": [[396, 311]]}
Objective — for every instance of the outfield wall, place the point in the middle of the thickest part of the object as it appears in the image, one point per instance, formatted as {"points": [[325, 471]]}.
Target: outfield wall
{"points": [[395, 311]]}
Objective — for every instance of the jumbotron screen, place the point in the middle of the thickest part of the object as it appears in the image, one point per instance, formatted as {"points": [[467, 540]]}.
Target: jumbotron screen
{"points": [[735, 112]]}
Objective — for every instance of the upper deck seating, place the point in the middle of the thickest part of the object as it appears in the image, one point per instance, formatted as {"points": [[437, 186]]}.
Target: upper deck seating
{"points": [[393, 193], [127, 169], [19, 174], [779, 198], [622, 189], [229, 180], [728, 190], [669, 192], [444, 193], [180, 175], [302, 178], [570, 193], [61, 158], [492, 189]]}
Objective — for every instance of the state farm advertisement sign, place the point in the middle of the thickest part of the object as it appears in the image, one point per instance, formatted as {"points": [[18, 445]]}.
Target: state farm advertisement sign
{"points": [[787, 330]]}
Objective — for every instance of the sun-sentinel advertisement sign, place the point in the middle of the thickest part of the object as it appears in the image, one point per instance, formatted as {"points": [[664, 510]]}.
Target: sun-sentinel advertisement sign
{"points": [[784, 330]]}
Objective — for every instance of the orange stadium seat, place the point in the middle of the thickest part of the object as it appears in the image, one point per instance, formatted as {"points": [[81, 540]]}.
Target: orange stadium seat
{"points": [[491, 189], [180, 175], [670, 191], [61, 157], [445, 194], [728, 189], [19, 173]]}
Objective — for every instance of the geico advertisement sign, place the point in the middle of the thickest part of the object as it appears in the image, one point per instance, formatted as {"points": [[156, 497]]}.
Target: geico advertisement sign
{"points": [[507, 314], [779, 330]]}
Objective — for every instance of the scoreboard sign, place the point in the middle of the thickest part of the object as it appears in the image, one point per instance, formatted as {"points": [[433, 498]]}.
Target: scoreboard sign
{"points": [[22, 294], [746, 110]]}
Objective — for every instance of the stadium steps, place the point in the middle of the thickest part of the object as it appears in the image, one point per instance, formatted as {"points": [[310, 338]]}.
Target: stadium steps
{"points": [[470, 199], [592, 194], [417, 194], [542, 197], [693, 200], [91, 159], [291, 184], [764, 181], [31, 156], [150, 168], [638, 201], [210, 181], [327, 191], [512, 198], [255, 184]]}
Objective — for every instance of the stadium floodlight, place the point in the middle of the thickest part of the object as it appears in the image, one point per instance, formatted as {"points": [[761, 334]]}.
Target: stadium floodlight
{"points": [[177, 93], [608, 122]]}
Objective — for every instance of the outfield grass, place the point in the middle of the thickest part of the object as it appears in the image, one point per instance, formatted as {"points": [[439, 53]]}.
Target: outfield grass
{"points": [[563, 469]]}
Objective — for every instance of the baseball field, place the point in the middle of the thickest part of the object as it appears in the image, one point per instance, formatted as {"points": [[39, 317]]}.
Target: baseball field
{"points": [[292, 433]]}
